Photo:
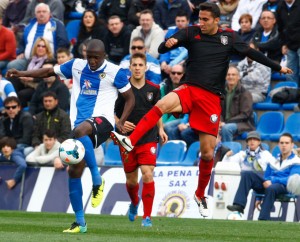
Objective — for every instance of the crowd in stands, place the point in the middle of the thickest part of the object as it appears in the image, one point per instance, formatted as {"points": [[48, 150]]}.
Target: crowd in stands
{"points": [[33, 35]]}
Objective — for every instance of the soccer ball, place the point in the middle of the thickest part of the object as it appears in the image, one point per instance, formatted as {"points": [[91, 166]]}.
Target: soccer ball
{"points": [[71, 151], [235, 216]]}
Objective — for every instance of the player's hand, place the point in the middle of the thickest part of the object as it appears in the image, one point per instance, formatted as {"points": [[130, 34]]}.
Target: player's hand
{"points": [[286, 70], [128, 126], [171, 42], [163, 136], [12, 73], [120, 127]]}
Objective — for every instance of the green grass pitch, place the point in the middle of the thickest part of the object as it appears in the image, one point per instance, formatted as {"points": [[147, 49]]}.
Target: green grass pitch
{"points": [[44, 227]]}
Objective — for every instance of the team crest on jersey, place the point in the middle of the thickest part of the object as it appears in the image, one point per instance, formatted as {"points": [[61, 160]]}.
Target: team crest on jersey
{"points": [[149, 96], [214, 118], [224, 40], [102, 75]]}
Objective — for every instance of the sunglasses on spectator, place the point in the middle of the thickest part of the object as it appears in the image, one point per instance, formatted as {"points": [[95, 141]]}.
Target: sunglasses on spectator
{"points": [[11, 107], [176, 73], [137, 47], [42, 46]]}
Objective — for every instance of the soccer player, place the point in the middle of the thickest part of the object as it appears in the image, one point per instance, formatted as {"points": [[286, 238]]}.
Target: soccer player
{"points": [[96, 83], [143, 155], [209, 48]]}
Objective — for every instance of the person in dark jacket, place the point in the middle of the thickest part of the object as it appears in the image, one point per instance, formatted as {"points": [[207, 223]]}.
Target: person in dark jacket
{"points": [[136, 7], [9, 153], [17, 124], [53, 118], [109, 8], [237, 110], [49, 84]]}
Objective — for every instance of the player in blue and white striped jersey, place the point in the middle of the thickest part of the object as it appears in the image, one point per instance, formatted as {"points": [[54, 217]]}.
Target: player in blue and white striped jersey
{"points": [[96, 83]]}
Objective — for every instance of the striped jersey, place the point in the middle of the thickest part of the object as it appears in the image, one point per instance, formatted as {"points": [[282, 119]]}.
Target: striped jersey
{"points": [[94, 92]]}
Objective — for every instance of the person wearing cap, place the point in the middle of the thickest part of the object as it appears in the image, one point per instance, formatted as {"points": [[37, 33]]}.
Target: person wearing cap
{"points": [[275, 178]]}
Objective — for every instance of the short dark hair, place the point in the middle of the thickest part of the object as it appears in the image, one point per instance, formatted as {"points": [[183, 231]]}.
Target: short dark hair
{"points": [[63, 50], [138, 55], [50, 94], [210, 7], [8, 141], [147, 11], [138, 38], [182, 13], [50, 133], [287, 135], [12, 99]]}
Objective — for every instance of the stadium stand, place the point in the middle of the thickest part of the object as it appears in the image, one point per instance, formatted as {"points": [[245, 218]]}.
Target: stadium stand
{"points": [[191, 154], [276, 118], [234, 146], [172, 153], [112, 155]]}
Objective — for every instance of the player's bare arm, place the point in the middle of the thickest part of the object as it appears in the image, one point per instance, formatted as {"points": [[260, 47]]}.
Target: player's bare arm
{"points": [[40, 73], [129, 105]]}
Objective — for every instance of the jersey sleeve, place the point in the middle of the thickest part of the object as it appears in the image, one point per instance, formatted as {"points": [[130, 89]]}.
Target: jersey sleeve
{"points": [[64, 71], [121, 81]]}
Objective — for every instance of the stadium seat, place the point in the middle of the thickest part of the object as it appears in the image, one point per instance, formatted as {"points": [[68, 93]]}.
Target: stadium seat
{"points": [[276, 76], [191, 154], [234, 146], [271, 122], [291, 126], [72, 29], [172, 153], [268, 104], [265, 146], [112, 155]]}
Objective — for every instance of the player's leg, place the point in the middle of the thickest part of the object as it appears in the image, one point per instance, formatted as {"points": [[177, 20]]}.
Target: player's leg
{"points": [[132, 187], [75, 194], [207, 144], [168, 104]]}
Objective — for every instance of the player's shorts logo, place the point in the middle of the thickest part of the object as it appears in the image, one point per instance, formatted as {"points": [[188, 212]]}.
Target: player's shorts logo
{"points": [[224, 40], [153, 150], [214, 118], [149, 96]]}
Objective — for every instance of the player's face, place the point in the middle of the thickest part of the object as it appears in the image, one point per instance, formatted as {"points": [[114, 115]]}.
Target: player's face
{"points": [[181, 22], [138, 68], [50, 103], [208, 24], [48, 142], [95, 58]]}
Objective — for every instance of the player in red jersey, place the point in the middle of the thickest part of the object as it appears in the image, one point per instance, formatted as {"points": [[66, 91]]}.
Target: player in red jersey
{"points": [[209, 50], [143, 155]]}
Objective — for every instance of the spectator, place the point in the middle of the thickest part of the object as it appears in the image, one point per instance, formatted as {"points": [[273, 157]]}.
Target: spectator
{"points": [[43, 25], [109, 8], [25, 86], [9, 153], [63, 55], [288, 19], [168, 85], [271, 5], [46, 153], [53, 118], [56, 8], [153, 72], [236, 116], [267, 37], [90, 28], [178, 55], [165, 12], [14, 13], [3, 6], [116, 40], [7, 46], [18, 124], [227, 9], [246, 31], [252, 7], [49, 84], [82, 49], [274, 181], [136, 7], [150, 32], [255, 77], [6, 90]]}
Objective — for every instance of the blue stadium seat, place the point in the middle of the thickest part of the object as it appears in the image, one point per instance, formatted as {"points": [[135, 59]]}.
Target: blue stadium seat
{"points": [[234, 146], [172, 153], [112, 155], [291, 126], [73, 15], [270, 123], [72, 29], [276, 76], [265, 146], [289, 106], [268, 104], [191, 154]]}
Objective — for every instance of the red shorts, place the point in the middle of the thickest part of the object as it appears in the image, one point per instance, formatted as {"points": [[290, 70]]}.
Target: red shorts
{"points": [[203, 106], [144, 154]]}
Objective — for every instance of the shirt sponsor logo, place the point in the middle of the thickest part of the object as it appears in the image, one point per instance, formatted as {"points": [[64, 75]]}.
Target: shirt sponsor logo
{"points": [[224, 40]]}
